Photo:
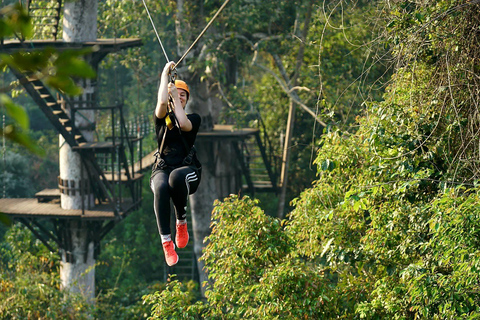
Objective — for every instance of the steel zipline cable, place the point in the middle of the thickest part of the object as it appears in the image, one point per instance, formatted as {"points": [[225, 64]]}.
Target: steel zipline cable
{"points": [[155, 29], [196, 40], [203, 32]]}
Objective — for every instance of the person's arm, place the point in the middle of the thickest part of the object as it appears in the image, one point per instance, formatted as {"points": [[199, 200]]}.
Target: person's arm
{"points": [[162, 101], [183, 121]]}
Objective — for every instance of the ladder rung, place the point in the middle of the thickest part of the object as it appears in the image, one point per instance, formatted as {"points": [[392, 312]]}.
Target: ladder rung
{"points": [[48, 98], [51, 104]]}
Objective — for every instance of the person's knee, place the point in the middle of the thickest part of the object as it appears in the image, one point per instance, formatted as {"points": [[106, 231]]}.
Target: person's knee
{"points": [[176, 181], [159, 187]]}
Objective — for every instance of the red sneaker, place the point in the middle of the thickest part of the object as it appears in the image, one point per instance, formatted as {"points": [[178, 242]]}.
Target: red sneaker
{"points": [[181, 238], [170, 255]]}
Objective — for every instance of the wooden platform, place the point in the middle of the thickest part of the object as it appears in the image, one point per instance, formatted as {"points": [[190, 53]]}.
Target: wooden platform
{"points": [[103, 146], [145, 163], [47, 195], [218, 132], [224, 131], [21, 207], [101, 45]]}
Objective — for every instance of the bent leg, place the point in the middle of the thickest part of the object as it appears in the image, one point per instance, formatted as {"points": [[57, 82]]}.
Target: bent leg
{"points": [[183, 181]]}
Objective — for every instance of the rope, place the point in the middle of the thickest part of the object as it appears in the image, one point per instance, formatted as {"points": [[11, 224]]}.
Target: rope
{"points": [[202, 33], [155, 29], [196, 40]]}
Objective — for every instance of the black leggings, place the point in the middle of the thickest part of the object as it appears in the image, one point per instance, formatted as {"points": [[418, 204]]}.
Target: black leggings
{"points": [[176, 184]]}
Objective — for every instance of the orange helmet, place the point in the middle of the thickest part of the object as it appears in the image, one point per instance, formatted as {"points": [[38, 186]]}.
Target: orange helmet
{"points": [[180, 84]]}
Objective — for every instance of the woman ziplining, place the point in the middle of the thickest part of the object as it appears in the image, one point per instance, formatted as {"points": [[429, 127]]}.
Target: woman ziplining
{"points": [[176, 172]]}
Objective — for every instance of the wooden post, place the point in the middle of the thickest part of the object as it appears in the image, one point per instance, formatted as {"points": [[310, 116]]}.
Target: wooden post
{"points": [[285, 160], [291, 83]]}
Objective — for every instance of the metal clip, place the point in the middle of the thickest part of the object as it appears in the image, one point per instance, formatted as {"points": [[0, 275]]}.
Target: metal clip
{"points": [[173, 75]]}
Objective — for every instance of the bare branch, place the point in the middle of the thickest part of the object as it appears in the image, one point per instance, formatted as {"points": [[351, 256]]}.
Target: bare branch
{"points": [[292, 93]]}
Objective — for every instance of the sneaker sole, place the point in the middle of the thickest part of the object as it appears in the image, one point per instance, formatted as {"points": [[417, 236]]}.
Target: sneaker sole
{"points": [[181, 247], [170, 265]]}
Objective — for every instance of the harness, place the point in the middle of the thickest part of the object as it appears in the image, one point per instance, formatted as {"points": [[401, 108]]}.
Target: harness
{"points": [[170, 123]]}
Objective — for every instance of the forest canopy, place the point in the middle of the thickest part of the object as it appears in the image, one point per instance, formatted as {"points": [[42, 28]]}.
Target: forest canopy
{"points": [[384, 217]]}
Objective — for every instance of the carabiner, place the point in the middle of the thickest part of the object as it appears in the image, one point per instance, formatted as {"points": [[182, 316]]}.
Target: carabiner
{"points": [[173, 75]]}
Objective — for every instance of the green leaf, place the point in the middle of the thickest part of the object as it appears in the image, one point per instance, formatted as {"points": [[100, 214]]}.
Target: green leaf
{"points": [[28, 61], [64, 84], [328, 165], [17, 113], [69, 63], [23, 139], [15, 19], [326, 247], [4, 219]]}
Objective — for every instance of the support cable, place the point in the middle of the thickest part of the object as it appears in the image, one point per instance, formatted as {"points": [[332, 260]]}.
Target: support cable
{"points": [[155, 29], [194, 42], [202, 33]]}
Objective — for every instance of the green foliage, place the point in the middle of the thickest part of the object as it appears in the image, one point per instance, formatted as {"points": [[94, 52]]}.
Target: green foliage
{"points": [[29, 282], [175, 301], [131, 76], [123, 302], [16, 176], [241, 254], [435, 42], [55, 68], [252, 272], [389, 229], [15, 20]]}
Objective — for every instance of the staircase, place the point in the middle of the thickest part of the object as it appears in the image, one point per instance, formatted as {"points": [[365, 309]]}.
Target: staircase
{"points": [[45, 17], [106, 181], [260, 169]]}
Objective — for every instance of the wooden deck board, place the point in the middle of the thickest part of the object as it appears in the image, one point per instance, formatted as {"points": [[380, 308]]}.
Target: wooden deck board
{"points": [[101, 146], [226, 131], [103, 45], [21, 207], [48, 193]]}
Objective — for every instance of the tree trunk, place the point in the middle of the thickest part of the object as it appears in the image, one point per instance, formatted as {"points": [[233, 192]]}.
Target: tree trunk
{"points": [[77, 268], [202, 201], [204, 102], [285, 160], [201, 204]]}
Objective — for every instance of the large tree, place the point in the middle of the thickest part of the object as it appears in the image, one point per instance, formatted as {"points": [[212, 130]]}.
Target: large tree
{"points": [[389, 230]]}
